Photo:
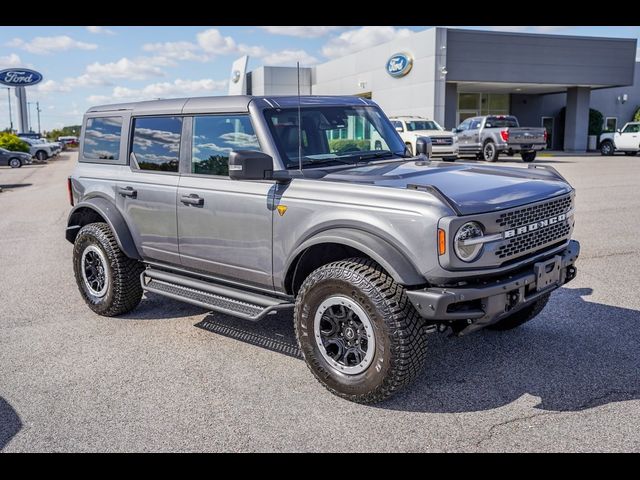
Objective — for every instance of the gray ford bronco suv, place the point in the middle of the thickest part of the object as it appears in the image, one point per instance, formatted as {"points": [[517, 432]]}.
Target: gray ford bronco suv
{"points": [[250, 206]]}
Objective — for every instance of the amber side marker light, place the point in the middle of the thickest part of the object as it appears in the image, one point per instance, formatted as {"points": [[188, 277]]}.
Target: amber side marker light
{"points": [[442, 242]]}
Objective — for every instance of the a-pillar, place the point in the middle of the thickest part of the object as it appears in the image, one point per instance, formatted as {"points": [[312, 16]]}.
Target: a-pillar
{"points": [[576, 124]]}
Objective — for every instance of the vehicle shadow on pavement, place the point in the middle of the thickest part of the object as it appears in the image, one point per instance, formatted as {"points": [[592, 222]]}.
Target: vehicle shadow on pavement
{"points": [[10, 423], [157, 307], [575, 355]]}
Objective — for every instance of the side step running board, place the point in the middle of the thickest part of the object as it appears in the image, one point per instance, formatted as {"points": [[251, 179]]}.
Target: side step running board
{"points": [[215, 297]]}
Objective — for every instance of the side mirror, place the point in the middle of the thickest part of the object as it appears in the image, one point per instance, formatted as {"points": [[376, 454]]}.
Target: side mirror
{"points": [[250, 165], [423, 146], [399, 129], [454, 130], [618, 130]]}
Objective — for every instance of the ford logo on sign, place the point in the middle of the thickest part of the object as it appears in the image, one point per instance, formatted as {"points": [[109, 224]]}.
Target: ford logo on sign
{"points": [[19, 77], [399, 64]]}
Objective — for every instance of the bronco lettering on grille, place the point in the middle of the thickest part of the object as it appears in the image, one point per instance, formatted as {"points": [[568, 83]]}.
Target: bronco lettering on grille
{"points": [[514, 232]]}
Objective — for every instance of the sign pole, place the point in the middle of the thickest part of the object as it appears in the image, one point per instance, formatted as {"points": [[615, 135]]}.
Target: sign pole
{"points": [[22, 110], [10, 115]]}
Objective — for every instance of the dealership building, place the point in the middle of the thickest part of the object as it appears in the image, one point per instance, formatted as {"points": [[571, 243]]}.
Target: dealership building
{"points": [[451, 74]]}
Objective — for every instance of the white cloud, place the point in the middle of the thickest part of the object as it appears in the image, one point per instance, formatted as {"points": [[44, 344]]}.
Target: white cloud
{"points": [[11, 60], [100, 30], [214, 42], [303, 32], [177, 88], [137, 69], [290, 57], [46, 45], [177, 51], [361, 38]]}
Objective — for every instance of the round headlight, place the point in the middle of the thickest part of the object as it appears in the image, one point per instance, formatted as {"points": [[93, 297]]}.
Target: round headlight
{"points": [[463, 244]]}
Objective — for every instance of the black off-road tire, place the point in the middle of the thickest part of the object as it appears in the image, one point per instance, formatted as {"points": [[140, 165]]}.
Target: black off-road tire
{"points": [[400, 336], [522, 316], [490, 152], [528, 157], [607, 149], [124, 291]]}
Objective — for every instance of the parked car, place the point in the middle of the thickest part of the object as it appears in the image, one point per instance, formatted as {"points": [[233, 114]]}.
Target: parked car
{"points": [[488, 136], [14, 159], [444, 143], [68, 141], [371, 248], [626, 140], [42, 150]]}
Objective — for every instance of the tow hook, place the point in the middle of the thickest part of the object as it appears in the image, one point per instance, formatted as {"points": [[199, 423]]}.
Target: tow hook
{"points": [[571, 272], [512, 299]]}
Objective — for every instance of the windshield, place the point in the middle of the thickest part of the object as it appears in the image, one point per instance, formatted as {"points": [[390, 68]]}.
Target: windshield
{"points": [[333, 135], [422, 125]]}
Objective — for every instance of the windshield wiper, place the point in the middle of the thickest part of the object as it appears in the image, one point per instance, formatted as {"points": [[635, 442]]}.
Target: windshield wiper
{"points": [[372, 156]]}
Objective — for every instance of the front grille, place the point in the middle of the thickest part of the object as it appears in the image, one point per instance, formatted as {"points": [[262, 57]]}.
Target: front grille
{"points": [[441, 141], [527, 215], [532, 240], [541, 237]]}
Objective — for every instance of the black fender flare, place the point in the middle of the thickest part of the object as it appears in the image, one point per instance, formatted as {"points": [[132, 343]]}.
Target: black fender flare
{"points": [[107, 210], [388, 256]]}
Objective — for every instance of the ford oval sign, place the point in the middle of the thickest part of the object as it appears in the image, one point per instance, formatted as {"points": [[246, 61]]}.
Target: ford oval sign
{"points": [[399, 64], [19, 77]]}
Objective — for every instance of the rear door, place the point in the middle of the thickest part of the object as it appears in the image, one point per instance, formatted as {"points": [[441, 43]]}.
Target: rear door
{"points": [[147, 193], [224, 225]]}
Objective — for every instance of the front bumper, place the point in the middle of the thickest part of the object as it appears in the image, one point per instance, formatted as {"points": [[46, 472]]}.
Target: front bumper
{"points": [[486, 304]]}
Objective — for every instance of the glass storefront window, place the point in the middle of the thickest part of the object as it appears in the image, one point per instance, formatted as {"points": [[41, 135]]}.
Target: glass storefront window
{"points": [[468, 101]]}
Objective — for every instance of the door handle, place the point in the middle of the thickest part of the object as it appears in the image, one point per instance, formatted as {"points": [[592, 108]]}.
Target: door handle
{"points": [[127, 192], [192, 199]]}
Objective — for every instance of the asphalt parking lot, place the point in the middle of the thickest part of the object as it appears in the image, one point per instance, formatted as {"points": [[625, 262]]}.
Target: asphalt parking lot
{"points": [[172, 377]]}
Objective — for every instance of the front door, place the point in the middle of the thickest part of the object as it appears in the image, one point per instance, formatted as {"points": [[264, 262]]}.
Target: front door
{"points": [[547, 124], [224, 225], [629, 139], [147, 193]]}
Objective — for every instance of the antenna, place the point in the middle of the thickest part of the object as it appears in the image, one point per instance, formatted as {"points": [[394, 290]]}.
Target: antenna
{"points": [[299, 122]]}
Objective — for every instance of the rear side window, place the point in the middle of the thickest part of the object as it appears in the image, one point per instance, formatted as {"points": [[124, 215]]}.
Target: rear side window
{"points": [[156, 143], [102, 138]]}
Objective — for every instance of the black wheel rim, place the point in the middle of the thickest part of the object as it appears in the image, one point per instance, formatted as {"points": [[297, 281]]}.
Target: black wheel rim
{"points": [[344, 335], [94, 271]]}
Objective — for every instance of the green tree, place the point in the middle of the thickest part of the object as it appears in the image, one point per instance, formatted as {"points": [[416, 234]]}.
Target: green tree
{"points": [[595, 122], [636, 116], [13, 143]]}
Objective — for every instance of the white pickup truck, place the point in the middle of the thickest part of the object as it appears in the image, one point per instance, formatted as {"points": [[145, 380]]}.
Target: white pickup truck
{"points": [[444, 144], [626, 140]]}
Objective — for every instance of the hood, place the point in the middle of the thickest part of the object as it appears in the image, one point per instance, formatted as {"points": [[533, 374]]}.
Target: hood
{"points": [[430, 133], [471, 188]]}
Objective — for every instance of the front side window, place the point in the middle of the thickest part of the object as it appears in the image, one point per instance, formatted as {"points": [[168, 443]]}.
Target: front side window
{"points": [[633, 128], [156, 143], [214, 137], [464, 125], [333, 135], [102, 138], [423, 125]]}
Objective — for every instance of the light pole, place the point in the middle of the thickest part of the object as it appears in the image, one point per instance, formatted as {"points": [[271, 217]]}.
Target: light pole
{"points": [[29, 116], [10, 117], [38, 110]]}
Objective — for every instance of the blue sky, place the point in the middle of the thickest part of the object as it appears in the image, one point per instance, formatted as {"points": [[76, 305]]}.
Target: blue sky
{"points": [[84, 66]]}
